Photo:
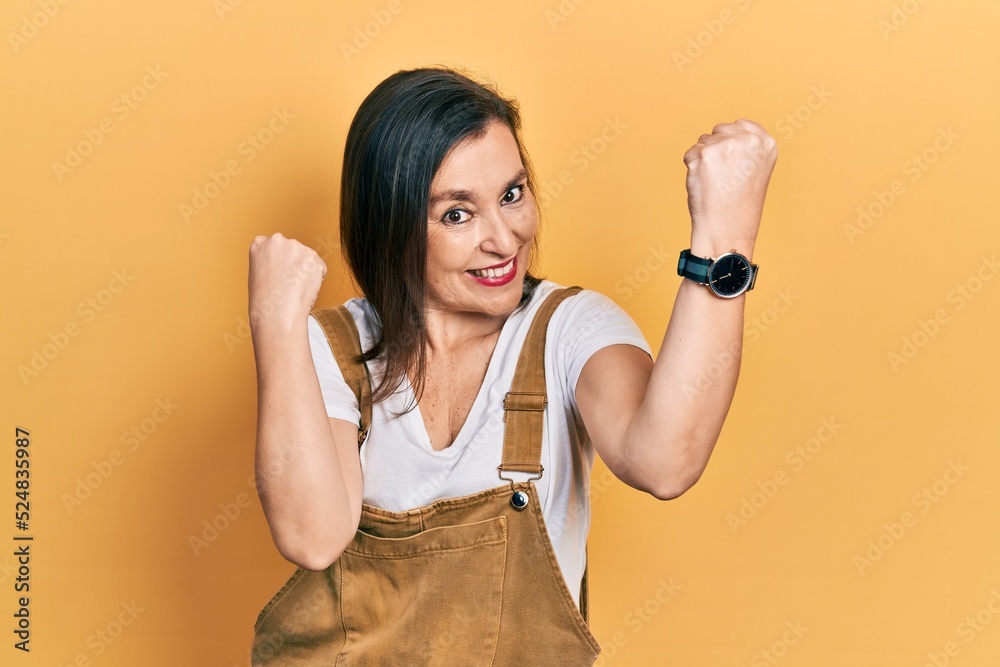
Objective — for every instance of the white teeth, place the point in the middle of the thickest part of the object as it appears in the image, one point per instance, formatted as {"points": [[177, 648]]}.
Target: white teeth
{"points": [[494, 273]]}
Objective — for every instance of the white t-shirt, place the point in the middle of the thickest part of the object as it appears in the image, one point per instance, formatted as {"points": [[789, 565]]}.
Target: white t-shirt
{"points": [[402, 471]]}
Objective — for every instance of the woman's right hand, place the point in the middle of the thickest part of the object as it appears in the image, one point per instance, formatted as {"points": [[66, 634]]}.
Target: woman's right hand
{"points": [[285, 277], [728, 174]]}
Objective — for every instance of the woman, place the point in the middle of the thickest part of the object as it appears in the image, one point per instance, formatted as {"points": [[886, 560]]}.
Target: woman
{"points": [[423, 453]]}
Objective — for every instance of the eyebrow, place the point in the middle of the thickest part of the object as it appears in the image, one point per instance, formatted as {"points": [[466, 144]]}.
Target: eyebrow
{"points": [[466, 195]]}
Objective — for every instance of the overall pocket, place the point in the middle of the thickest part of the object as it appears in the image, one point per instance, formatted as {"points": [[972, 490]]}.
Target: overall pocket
{"points": [[427, 599], [300, 625]]}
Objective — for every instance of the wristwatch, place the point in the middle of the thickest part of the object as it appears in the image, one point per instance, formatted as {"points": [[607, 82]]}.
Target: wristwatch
{"points": [[727, 275]]}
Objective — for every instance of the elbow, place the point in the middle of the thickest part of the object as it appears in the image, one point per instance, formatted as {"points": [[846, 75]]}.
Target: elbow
{"points": [[312, 559], [681, 470], [675, 485], [313, 554], [314, 544], [316, 562], [670, 492]]}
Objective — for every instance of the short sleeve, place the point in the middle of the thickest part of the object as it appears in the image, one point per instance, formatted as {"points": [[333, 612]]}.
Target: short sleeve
{"points": [[592, 321], [340, 401]]}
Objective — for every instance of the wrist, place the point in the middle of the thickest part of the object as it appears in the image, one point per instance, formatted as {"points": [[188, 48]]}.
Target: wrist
{"points": [[706, 246], [276, 326], [725, 267]]}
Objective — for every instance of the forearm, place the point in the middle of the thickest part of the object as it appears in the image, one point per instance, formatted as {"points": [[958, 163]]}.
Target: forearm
{"points": [[682, 402], [673, 432], [299, 476]]}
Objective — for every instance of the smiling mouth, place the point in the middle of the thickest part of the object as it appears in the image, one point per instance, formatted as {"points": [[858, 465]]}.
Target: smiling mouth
{"points": [[497, 272]]}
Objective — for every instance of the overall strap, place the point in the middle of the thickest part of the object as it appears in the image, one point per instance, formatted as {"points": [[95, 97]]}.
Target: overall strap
{"points": [[345, 341], [524, 405]]}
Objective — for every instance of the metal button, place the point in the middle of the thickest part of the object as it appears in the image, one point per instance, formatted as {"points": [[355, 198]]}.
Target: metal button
{"points": [[519, 500]]}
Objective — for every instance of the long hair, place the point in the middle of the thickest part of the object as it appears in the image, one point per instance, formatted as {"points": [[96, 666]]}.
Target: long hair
{"points": [[398, 139]]}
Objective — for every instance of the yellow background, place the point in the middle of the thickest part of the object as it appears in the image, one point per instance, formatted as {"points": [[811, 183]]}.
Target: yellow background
{"points": [[868, 85]]}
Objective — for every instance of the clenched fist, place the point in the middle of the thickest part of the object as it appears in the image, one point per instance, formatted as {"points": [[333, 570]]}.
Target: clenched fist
{"points": [[728, 174], [285, 277]]}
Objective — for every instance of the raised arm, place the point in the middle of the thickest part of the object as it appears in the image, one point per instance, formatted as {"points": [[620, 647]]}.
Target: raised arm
{"points": [[655, 424], [308, 468]]}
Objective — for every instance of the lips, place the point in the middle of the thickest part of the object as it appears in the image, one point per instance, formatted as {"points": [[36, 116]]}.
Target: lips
{"points": [[495, 276], [495, 271]]}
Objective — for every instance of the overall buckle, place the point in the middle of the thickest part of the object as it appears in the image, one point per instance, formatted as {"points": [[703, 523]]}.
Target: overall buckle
{"points": [[519, 499], [528, 401]]}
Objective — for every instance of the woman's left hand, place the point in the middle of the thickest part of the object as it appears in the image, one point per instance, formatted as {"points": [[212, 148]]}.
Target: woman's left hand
{"points": [[728, 174]]}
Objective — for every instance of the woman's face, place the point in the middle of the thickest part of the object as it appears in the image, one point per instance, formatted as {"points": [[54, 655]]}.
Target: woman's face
{"points": [[481, 214]]}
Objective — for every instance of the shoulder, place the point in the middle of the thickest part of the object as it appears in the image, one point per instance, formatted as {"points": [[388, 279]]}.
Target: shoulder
{"points": [[585, 314], [365, 319], [585, 323]]}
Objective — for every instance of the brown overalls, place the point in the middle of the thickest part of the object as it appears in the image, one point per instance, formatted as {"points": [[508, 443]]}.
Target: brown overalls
{"points": [[461, 581]]}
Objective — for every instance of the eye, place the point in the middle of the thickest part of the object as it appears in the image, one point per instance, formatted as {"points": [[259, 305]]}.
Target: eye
{"points": [[518, 190], [454, 216]]}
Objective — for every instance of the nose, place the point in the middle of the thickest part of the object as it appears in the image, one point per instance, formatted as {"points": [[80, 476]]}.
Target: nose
{"points": [[500, 235]]}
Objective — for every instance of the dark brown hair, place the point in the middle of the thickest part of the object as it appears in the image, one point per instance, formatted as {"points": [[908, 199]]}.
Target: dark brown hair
{"points": [[398, 139]]}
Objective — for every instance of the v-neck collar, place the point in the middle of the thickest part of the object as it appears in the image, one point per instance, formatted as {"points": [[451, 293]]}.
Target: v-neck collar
{"points": [[475, 412]]}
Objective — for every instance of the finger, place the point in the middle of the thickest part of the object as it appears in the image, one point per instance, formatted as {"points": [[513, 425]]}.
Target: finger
{"points": [[751, 126], [313, 261], [727, 128], [719, 137], [692, 155]]}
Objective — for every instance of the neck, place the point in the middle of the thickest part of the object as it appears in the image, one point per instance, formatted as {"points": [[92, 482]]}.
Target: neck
{"points": [[450, 331]]}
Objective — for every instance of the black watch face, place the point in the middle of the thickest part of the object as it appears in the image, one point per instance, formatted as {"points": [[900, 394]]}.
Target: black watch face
{"points": [[729, 275]]}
